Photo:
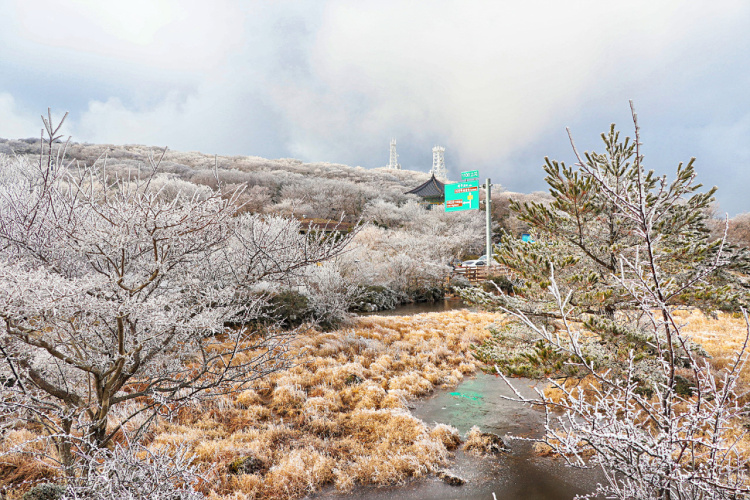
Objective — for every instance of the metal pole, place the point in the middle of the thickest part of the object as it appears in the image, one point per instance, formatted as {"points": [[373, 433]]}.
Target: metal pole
{"points": [[488, 206]]}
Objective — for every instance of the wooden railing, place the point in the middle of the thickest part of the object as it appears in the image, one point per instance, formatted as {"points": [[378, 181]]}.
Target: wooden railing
{"points": [[481, 273]]}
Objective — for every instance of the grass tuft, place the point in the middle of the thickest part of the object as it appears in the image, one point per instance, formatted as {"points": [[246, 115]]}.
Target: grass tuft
{"points": [[447, 435], [339, 417]]}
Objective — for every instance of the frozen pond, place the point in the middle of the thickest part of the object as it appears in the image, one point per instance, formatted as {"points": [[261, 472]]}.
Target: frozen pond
{"points": [[518, 475]]}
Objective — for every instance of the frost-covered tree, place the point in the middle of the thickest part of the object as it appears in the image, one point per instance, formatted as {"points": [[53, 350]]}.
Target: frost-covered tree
{"points": [[675, 436], [330, 293], [408, 249], [505, 218], [583, 234], [116, 293]]}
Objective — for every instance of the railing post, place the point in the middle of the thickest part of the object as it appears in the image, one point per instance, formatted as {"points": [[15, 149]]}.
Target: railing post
{"points": [[488, 207]]}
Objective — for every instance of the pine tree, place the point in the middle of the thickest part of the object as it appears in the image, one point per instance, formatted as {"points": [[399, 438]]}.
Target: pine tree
{"points": [[584, 235], [616, 253]]}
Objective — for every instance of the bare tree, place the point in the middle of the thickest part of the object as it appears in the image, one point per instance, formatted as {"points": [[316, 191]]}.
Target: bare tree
{"points": [[114, 296]]}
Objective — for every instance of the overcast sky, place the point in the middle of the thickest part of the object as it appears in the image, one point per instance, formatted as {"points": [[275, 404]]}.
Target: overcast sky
{"points": [[495, 82]]}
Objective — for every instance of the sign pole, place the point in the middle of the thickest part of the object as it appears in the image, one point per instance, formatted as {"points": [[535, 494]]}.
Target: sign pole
{"points": [[488, 202]]}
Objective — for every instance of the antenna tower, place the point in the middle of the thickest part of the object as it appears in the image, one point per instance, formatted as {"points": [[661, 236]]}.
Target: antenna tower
{"points": [[393, 162], [438, 163]]}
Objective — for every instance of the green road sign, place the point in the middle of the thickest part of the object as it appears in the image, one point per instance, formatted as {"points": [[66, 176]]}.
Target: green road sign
{"points": [[462, 196], [470, 174]]}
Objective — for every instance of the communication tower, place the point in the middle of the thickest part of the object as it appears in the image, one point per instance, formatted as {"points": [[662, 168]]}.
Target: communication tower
{"points": [[393, 162], [438, 163]]}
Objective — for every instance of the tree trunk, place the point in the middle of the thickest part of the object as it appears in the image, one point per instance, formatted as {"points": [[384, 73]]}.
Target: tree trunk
{"points": [[64, 446]]}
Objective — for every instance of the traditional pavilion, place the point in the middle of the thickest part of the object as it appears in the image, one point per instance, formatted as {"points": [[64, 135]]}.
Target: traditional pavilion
{"points": [[432, 192]]}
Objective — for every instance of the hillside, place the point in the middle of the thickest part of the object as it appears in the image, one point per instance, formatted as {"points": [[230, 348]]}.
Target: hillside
{"points": [[284, 185], [402, 251]]}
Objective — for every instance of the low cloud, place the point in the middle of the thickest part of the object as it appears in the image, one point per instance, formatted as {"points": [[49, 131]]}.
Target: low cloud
{"points": [[17, 123], [493, 82]]}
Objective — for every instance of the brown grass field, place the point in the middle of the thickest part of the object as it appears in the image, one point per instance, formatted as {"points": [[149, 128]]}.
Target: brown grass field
{"points": [[340, 416], [721, 338]]}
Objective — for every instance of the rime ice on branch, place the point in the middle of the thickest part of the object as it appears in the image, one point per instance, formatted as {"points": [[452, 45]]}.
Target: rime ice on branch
{"points": [[115, 296], [619, 251]]}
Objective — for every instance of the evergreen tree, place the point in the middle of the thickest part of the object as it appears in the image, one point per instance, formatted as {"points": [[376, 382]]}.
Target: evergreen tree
{"points": [[584, 234], [616, 252]]}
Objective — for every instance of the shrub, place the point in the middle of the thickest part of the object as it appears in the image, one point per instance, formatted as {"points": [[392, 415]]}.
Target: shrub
{"points": [[290, 308], [493, 283], [47, 491], [459, 281], [376, 298], [427, 293]]}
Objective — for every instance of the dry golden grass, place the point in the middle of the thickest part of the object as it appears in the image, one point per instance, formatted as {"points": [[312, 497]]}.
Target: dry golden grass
{"points": [[480, 443], [339, 417], [575, 386], [545, 450], [476, 442], [19, 471], [721, 338], [448, 435]]}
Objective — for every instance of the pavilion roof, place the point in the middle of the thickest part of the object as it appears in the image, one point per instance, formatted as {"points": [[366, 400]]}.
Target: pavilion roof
{"points": [[431, 189]]}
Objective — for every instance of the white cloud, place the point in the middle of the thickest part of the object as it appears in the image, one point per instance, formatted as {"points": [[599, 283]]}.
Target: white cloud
{"points": [[16, 123], [336, 80], [487, 78], [180, 121], [174, 35], [222, 115]]}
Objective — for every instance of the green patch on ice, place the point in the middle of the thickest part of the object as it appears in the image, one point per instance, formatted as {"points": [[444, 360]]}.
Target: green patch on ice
{"points": [[468, 395]]}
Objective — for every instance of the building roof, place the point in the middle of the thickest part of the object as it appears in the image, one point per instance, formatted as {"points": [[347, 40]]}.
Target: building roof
{"points": [[433, 188]]}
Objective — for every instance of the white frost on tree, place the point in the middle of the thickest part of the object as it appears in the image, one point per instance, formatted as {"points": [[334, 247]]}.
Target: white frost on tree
{"points": [[670, 443], [116, 292]]}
